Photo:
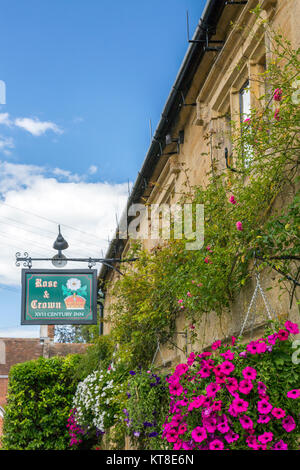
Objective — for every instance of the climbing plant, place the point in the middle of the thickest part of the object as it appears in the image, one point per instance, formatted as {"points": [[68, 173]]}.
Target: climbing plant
{"points": [[251, 213]]}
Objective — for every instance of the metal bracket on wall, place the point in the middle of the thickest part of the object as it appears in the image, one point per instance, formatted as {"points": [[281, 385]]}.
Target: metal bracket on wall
{"points": [[205, 41]]}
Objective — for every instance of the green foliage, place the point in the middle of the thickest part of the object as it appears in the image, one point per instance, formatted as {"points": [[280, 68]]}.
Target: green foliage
{"points": [[250, 212], [39, 400], [97, 356], [146, 409]]}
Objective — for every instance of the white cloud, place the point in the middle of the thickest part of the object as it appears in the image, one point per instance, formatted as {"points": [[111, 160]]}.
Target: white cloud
{"points": [[32, 125], [93, 169], [6, 145], [70, 201], [5, 119], [37, 127]]}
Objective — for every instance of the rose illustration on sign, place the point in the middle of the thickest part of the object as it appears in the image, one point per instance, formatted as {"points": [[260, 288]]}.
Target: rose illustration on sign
{"points": [[74, 294]]}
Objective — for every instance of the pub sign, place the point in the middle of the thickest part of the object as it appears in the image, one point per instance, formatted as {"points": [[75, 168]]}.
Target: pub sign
{"points": [[59, 297]]}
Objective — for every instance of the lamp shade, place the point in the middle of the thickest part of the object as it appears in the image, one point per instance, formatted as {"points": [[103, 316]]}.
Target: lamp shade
{"points": [[60, 243]]}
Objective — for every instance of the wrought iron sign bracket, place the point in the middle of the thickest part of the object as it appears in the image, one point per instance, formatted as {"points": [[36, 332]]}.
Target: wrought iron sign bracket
{"points": [[27, 261]]}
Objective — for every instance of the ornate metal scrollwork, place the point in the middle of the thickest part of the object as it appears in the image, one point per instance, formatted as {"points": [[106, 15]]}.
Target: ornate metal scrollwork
{"points": [[27, 261]]}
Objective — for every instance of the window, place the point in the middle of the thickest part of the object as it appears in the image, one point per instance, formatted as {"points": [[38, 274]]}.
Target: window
{"points": [[245, 112], [245, 102]]}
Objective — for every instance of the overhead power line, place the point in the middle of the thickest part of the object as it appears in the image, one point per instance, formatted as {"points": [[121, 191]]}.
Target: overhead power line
{"points": [[52, 221]]}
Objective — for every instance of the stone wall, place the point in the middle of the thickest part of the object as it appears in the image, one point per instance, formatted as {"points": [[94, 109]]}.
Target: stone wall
{"points": [[215, 90]]}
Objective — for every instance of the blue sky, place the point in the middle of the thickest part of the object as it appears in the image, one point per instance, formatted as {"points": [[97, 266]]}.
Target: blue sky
{"points": [[82, 78]]}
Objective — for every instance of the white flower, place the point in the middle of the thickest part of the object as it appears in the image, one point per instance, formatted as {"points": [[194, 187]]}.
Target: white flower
{"points": [[73, 283]]}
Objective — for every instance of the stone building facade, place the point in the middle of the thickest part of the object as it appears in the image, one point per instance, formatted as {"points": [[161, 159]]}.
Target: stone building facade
{"points": [[209, 92]]}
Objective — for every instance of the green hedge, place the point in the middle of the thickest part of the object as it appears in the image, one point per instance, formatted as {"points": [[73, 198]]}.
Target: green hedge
{"points": [[40, 396]]}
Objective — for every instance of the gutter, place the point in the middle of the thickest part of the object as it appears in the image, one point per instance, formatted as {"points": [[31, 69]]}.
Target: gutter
{"points": [[195, 52]]}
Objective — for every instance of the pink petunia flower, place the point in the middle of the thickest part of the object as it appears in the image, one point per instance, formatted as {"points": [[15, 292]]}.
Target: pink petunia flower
{"points": [[212, 389], [283, 335], [199, 434], [231, 437], [239, 405], [263, 419], [272, 339], [293, 393], [216, 345], [249, 373], [175, 388], [278, 413], [239, 226], [264, 407], [280, 445], [228, 355], [288, 423], [227, 367], [216, 444], [265, 437], [246, 422], [291, 327], [245, 386]]}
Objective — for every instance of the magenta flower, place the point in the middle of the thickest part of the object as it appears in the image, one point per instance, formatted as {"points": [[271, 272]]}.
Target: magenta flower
{"points": [[291, 327], [232, 200], [261, 388], [246, 422], [216, 444], [283, 335], [264, 407], [172, 435], [216, 345], [212, 389], [249, 373], [239, 226], [265, 437], [231, 437], [280, 445], [263, 419], [223, 428], [288, 423], [199, 434], [245, 386], [239, 405], [276, 115], [228, 355], [272, 339], [175, 388], [293, 393], [217, 405], [278, 413], [226, 367], [182, 428], [277, 94]]}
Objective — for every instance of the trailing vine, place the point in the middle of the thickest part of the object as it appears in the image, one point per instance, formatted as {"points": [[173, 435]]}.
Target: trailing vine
{"points": [[251, 213]]}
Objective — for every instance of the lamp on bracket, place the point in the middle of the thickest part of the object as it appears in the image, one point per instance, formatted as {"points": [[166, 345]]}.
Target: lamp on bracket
{"points": [[60, 244]]}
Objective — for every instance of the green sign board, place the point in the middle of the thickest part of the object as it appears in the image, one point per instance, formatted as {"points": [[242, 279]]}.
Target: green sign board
{"points": [[59, 297]]}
